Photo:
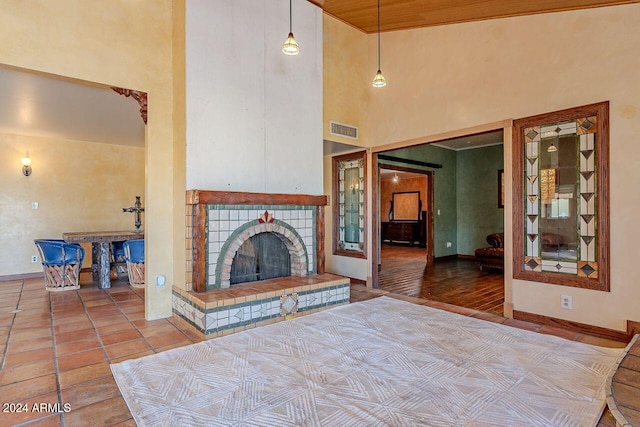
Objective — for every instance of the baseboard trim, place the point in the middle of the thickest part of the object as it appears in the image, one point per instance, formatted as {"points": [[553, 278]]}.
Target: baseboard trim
{"points": [[24, 276], [454, 256], [633, 328], [597, 331]]}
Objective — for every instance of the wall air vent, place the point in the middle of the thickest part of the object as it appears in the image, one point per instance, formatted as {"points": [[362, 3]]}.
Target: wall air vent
{"points": [[341, 129]]}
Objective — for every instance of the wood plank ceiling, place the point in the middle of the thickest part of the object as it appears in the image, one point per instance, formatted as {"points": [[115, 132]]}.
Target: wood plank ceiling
{"points": [[405, 14]]}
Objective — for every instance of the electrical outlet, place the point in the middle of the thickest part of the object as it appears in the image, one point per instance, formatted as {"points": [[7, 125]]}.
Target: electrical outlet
{"points": [[34, 258], [566, 302], [34, 206], [448, 244], [160, 280]]}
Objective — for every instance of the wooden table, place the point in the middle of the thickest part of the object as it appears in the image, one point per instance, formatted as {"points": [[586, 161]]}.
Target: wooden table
{"points": [[100, 250]]}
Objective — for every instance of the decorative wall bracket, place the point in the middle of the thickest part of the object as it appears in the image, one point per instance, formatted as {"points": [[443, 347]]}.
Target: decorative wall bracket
{"points": [[141, 97]]}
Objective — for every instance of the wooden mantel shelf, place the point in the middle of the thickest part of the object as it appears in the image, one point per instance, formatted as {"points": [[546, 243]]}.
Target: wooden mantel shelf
{"points": [[204, 197]]}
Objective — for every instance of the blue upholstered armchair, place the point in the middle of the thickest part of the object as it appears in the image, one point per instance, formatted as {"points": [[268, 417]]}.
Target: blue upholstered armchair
{"points": [[134, 255], [62, 263]]}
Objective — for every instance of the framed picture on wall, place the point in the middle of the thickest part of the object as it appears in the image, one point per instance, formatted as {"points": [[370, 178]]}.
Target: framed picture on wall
{"points": [[501, 188]]}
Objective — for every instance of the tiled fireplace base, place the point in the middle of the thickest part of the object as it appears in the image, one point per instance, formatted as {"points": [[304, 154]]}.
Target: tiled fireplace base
{"points": [[225, 311]]}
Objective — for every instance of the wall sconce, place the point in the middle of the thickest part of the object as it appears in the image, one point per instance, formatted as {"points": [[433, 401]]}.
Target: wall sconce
{"points": [[26, 166], [395, 178]]}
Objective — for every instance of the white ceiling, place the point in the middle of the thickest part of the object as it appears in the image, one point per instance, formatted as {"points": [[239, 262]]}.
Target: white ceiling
{"points": [[48, 106]]}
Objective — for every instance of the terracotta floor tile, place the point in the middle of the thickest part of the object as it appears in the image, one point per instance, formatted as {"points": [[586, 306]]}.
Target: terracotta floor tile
{"points": [[111, 320], [135, 316], [112, 329], [72, 327], [30, 356], [124, 349], [22, 390], [14, 418], [77, 376], [97, 302], [18, 373], [90, 392], [50, 421], [132, 356], [167, 339], [32, 344], [29, 334], [150, 331], [78, 335], [77, 360], [176, 344], [76, 318], [85, 344], [128, 423], [120, 337], [107, 312], [108, 412], [26, 318]]}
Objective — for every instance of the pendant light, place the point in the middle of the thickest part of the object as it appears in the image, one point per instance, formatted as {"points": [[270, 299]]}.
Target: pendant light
{"points": [[552, 148], [290, 46], [379, 80]]}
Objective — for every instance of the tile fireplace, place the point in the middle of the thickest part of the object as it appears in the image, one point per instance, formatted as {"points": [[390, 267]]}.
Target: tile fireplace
{"points": [[235, 241]]}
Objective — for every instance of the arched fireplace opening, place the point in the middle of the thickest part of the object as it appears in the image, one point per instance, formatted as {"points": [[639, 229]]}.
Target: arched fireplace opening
{"points": [[261, 257]]}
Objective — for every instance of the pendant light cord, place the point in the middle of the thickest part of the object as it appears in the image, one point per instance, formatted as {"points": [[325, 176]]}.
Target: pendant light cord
{"points": [[378, 34], [290, 16]]}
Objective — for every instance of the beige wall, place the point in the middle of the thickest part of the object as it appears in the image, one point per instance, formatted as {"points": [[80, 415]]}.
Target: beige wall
{"points": [[346, 79], [345, 95], [126, 44], [454, 77], [78, 186]]}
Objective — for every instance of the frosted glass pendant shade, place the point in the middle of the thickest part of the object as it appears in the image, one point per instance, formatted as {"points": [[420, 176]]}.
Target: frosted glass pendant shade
{"points": [[379, 80], [290, 46]]}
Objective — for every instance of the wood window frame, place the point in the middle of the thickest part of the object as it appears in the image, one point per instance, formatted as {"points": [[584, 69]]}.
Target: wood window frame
{"points": [[601, 111], [337, 250]]}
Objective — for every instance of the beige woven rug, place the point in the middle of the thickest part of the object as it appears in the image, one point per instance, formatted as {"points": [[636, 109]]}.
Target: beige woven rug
{"points": [[381, 362]]}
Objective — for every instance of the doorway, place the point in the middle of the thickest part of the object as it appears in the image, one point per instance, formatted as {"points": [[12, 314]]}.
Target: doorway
{"points": [[466, 209]]}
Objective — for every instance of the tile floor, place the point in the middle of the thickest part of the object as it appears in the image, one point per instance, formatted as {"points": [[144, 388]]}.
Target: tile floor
{"points": [[55, 349]]}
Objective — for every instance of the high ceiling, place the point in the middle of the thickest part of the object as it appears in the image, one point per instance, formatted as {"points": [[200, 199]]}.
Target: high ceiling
{"points": [[48, 106], [405, 14]]}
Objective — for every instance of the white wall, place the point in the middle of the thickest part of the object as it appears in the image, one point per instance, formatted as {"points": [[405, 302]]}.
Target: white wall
{"points": [[254, 115]]}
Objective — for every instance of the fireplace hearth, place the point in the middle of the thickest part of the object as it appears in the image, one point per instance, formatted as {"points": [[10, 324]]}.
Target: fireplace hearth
{"points": [[270, 247]]}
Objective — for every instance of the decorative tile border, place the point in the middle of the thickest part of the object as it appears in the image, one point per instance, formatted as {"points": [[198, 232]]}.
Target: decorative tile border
{"points": [[230, 315]]}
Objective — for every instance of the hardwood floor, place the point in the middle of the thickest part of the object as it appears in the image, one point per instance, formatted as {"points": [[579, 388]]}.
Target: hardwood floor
{"points": [[455, 281]]}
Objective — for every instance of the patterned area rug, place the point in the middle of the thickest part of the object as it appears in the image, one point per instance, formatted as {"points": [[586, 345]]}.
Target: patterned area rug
{"points": [[381, 362]]}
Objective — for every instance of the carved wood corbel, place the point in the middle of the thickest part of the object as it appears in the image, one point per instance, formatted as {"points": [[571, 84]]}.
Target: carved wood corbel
{"points": [[141, 97]]}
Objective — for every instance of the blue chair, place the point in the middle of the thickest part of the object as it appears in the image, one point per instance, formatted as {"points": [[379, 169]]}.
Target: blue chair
{"points": [[62, 263], [134, 255]]}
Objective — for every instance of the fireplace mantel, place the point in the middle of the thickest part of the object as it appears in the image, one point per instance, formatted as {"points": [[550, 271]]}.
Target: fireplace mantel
{"points": [[200, 197], [200, 202]]}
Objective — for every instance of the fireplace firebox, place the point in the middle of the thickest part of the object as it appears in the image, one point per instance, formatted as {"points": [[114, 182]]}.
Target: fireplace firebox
{"points": [[261, 257]]}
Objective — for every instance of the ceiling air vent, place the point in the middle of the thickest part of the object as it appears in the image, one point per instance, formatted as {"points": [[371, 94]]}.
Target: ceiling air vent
{"points": [[341, 129]]}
